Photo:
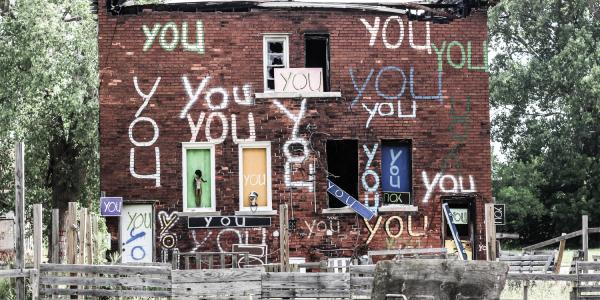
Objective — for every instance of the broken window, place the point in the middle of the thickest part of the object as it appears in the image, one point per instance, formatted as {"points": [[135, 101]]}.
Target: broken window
{"points": [[342, 165], [396, 172], [317, 55], [275, 55]]}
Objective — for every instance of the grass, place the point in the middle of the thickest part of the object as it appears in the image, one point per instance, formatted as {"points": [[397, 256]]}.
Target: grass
{"points": [[545, 290]]}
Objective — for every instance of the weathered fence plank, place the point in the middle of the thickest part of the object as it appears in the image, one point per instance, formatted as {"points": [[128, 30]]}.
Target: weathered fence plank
{"points": [[216, 283], [20, 217], [107, 269]]}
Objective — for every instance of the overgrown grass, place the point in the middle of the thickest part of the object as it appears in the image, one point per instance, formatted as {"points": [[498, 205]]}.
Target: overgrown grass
{"points": [[6, 290]]}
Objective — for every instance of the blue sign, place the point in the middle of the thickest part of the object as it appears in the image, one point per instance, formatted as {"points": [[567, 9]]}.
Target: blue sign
{"points": [[450, 220], [111, 206], [341, 195], [395, 168]]}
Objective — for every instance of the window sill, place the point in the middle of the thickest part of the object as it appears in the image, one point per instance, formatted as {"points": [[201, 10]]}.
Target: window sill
{"points": [[398, 207], [199, 213], [256, 213], [341, 210], [279, 95]]}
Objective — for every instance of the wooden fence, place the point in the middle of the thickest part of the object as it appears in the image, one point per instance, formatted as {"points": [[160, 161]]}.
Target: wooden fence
{"points": [[56, 281]]}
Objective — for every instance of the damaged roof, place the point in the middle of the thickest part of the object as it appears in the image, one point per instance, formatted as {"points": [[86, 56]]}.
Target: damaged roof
{"points": [[422, 9]]}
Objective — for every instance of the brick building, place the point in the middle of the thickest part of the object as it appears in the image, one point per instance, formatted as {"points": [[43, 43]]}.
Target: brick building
{"points": [[214, 114]]}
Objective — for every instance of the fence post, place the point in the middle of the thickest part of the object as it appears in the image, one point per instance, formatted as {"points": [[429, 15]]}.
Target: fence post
{"points": [[20, 217], [284, 250], [55, 236], [71, 231], [95, 237], [561, 251], [490, 232], [83, 228], [37, 250], [584, 236], [89, 238], [525, 289]]}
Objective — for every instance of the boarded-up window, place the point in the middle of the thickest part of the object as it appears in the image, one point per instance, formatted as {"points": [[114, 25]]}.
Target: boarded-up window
{"points": [[198, 177], [137, 233], [342, 165], [255, 176], [396, 172]]}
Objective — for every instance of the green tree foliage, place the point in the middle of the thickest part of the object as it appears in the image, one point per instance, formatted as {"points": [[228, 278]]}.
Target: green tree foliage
{"points": [[545, 91], [48, 99]]}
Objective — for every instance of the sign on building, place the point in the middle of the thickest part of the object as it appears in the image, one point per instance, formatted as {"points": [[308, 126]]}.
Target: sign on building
{"points": [[343, 196], [111, 206], [499, 214], [137, 233], [295, 80], [460, 215]]}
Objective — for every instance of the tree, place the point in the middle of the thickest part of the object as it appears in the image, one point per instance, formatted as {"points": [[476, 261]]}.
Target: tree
{"points": [[48, 99], [545, 90]]}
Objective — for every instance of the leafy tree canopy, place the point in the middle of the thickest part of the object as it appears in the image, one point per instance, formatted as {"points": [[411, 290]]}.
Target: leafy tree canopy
{"points": [[545, 91], [48, 99]]}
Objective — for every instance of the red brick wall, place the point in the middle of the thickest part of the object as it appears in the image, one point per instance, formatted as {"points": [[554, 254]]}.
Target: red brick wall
{"points": [[233, 57]]}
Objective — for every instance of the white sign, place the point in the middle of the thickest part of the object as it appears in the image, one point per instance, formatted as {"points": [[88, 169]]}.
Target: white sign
{"points": [[294, 80], [7, 235], [137, 233], [460, 215]]}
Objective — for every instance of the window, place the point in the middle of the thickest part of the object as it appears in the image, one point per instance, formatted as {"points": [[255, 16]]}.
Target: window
{"points": [[275, 55], [396, 172], [342, 165], [198, 177], [317, 55], [255, 176]]}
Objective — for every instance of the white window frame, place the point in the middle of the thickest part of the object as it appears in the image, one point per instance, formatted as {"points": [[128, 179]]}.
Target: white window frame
{"points": [[286, 55], [211, 148], [244, 194]]}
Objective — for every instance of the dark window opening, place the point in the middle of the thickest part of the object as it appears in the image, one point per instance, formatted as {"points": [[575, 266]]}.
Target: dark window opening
{"points": [[465, 216], [342, 165], [396, 172], [317, 55]]}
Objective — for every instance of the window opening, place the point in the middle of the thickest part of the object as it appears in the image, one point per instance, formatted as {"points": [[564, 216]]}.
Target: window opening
{"points": [[275, 55], [198, 177], [342, 165], [464, 215], [396, 172], [255, 176], [317, 55]]}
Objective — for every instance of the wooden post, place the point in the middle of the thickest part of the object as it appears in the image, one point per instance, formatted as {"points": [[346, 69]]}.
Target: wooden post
{"points": [[20, 217], [584, 236], [71, 231], [37, 250], [284, 251], [83, 228], [490, 232], [55, 236], [525, 289], [561, 251], [95, 245], [89, 238]]}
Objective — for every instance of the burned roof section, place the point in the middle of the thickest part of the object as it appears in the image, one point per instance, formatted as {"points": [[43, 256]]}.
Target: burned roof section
{"points": [[434, 10]]}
